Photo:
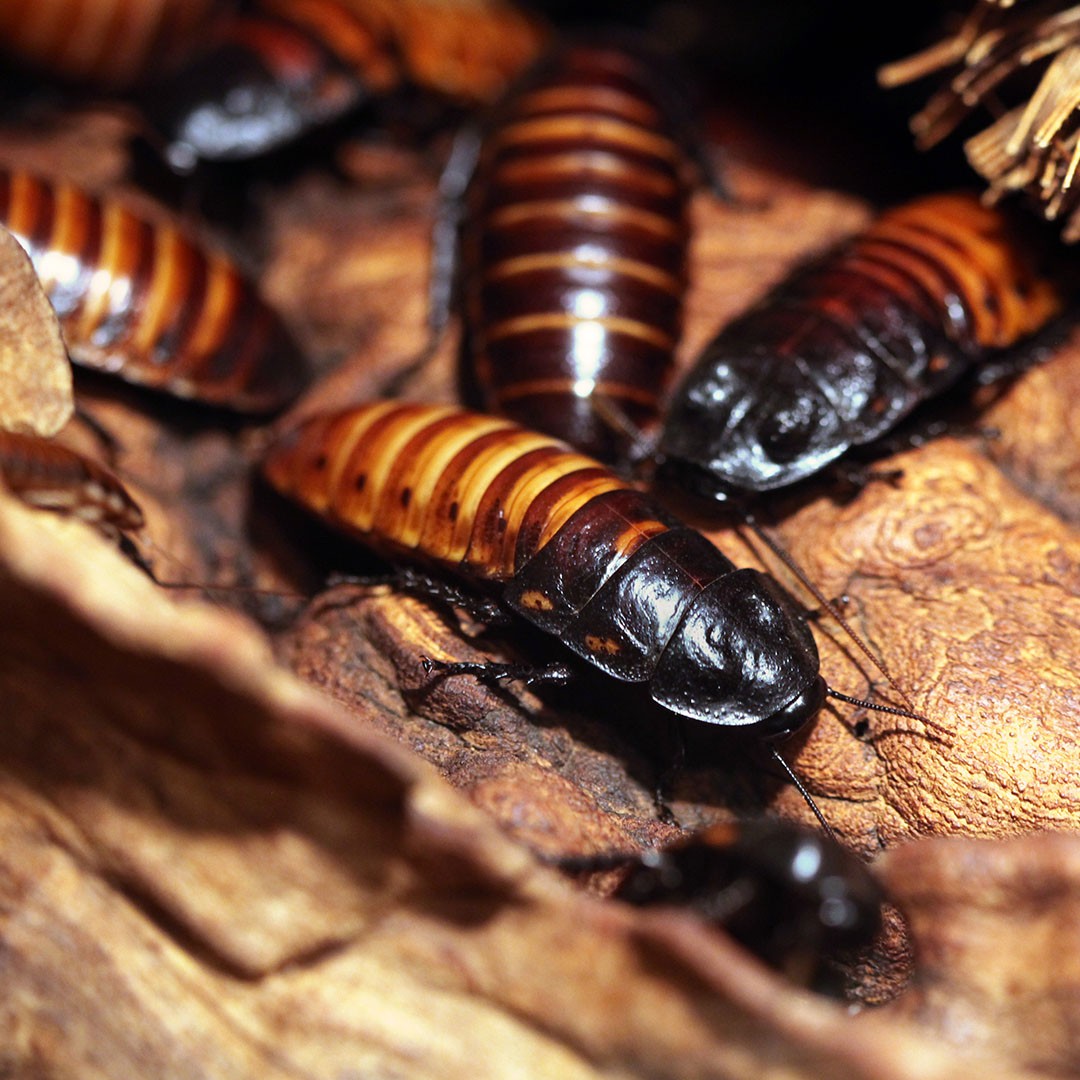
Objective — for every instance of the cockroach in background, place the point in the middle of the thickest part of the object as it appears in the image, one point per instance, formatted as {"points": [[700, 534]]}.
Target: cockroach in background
{"points": [[142, 301], [572, 200], [565, 543], [109, 44], [791, 895], [843, 349], [47, 475], [282, 68]]}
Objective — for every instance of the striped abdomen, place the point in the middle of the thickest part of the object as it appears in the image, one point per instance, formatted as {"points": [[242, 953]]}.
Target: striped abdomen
{"points": [[50, 476], [574, 248], [286, 67], [849, 344], [111, 43], [143, 301], [568, 545]]}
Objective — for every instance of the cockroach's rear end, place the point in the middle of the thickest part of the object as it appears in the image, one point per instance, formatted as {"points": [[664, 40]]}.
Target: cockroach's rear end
{"points": [[141, 300], [843, 349], [575, 247]]}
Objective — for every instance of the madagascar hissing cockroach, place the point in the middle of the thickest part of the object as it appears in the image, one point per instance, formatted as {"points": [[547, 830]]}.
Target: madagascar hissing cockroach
{"points": [[114, 44], [141, 300], [573, 241], [791, 895], [282, 68], [50, 476], [838, 353], [567, 544]]}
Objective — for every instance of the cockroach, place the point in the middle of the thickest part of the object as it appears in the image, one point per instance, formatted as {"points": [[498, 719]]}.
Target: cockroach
{"points": [[50, 476], [841, 351], [565, 543], [791, 895], [112, 44], [573, 241], [283, 68], [141, 300]]}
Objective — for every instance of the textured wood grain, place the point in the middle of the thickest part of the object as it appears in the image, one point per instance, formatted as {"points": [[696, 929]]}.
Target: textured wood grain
{"points": [[210, 870]]}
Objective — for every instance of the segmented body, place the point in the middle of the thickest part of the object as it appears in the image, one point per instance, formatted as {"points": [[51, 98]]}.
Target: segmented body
{"points": [[285, 67], [790, 894], [575, 245], [47, 475], [143, 301], [843, 349], [566, 544], [109, 43]]}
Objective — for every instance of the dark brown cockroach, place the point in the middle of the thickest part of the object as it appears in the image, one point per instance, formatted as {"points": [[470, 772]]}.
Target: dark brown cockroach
{"points": [[142, 301], [565, 543], [791, 895], [842, 350], [573, 244], [282, 68], [113, 44], [50, 476]]}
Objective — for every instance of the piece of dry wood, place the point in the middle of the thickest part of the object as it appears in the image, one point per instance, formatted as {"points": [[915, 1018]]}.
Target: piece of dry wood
{"points": [[998, 955], [208, 870]]}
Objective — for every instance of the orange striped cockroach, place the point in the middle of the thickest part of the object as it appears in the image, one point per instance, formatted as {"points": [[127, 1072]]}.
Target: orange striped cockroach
{"points": [[565, 543], [143, 301], [836, 355], [50, 476], [112, 44], [573, 206], [281, 68]]}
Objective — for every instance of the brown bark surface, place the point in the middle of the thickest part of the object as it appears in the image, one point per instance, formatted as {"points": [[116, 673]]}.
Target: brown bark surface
{"points": [[263, 843]]}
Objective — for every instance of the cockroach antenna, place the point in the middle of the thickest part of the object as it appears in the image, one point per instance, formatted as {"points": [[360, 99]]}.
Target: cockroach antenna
{"points": [[828, 605], [802, 791], [895, 710]]}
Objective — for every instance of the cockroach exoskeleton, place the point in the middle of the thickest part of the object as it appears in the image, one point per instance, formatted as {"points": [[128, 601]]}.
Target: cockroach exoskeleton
{"points": [[284, 68], [142, 301], [791, 895], [110, 44], [850, 343], [48, 475], [565, 217], [565, 543]]}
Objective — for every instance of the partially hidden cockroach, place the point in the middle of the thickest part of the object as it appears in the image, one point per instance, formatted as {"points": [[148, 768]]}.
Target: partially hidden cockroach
{"points": [[844, 348], [565, 543], [791, 895], [113, 44], [285, 67], [143, 301], [50, 476], [573, 242]]}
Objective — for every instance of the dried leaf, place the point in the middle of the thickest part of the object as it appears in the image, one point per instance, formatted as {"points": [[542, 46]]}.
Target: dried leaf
{"points": [[35, 374]]}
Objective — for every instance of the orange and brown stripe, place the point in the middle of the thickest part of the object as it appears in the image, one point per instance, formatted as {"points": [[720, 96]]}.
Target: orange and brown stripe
{"points": [[469, 492], [968, 259], [111, 43], [142, 300], [464, 51], [575, 247], [50, 476]]}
